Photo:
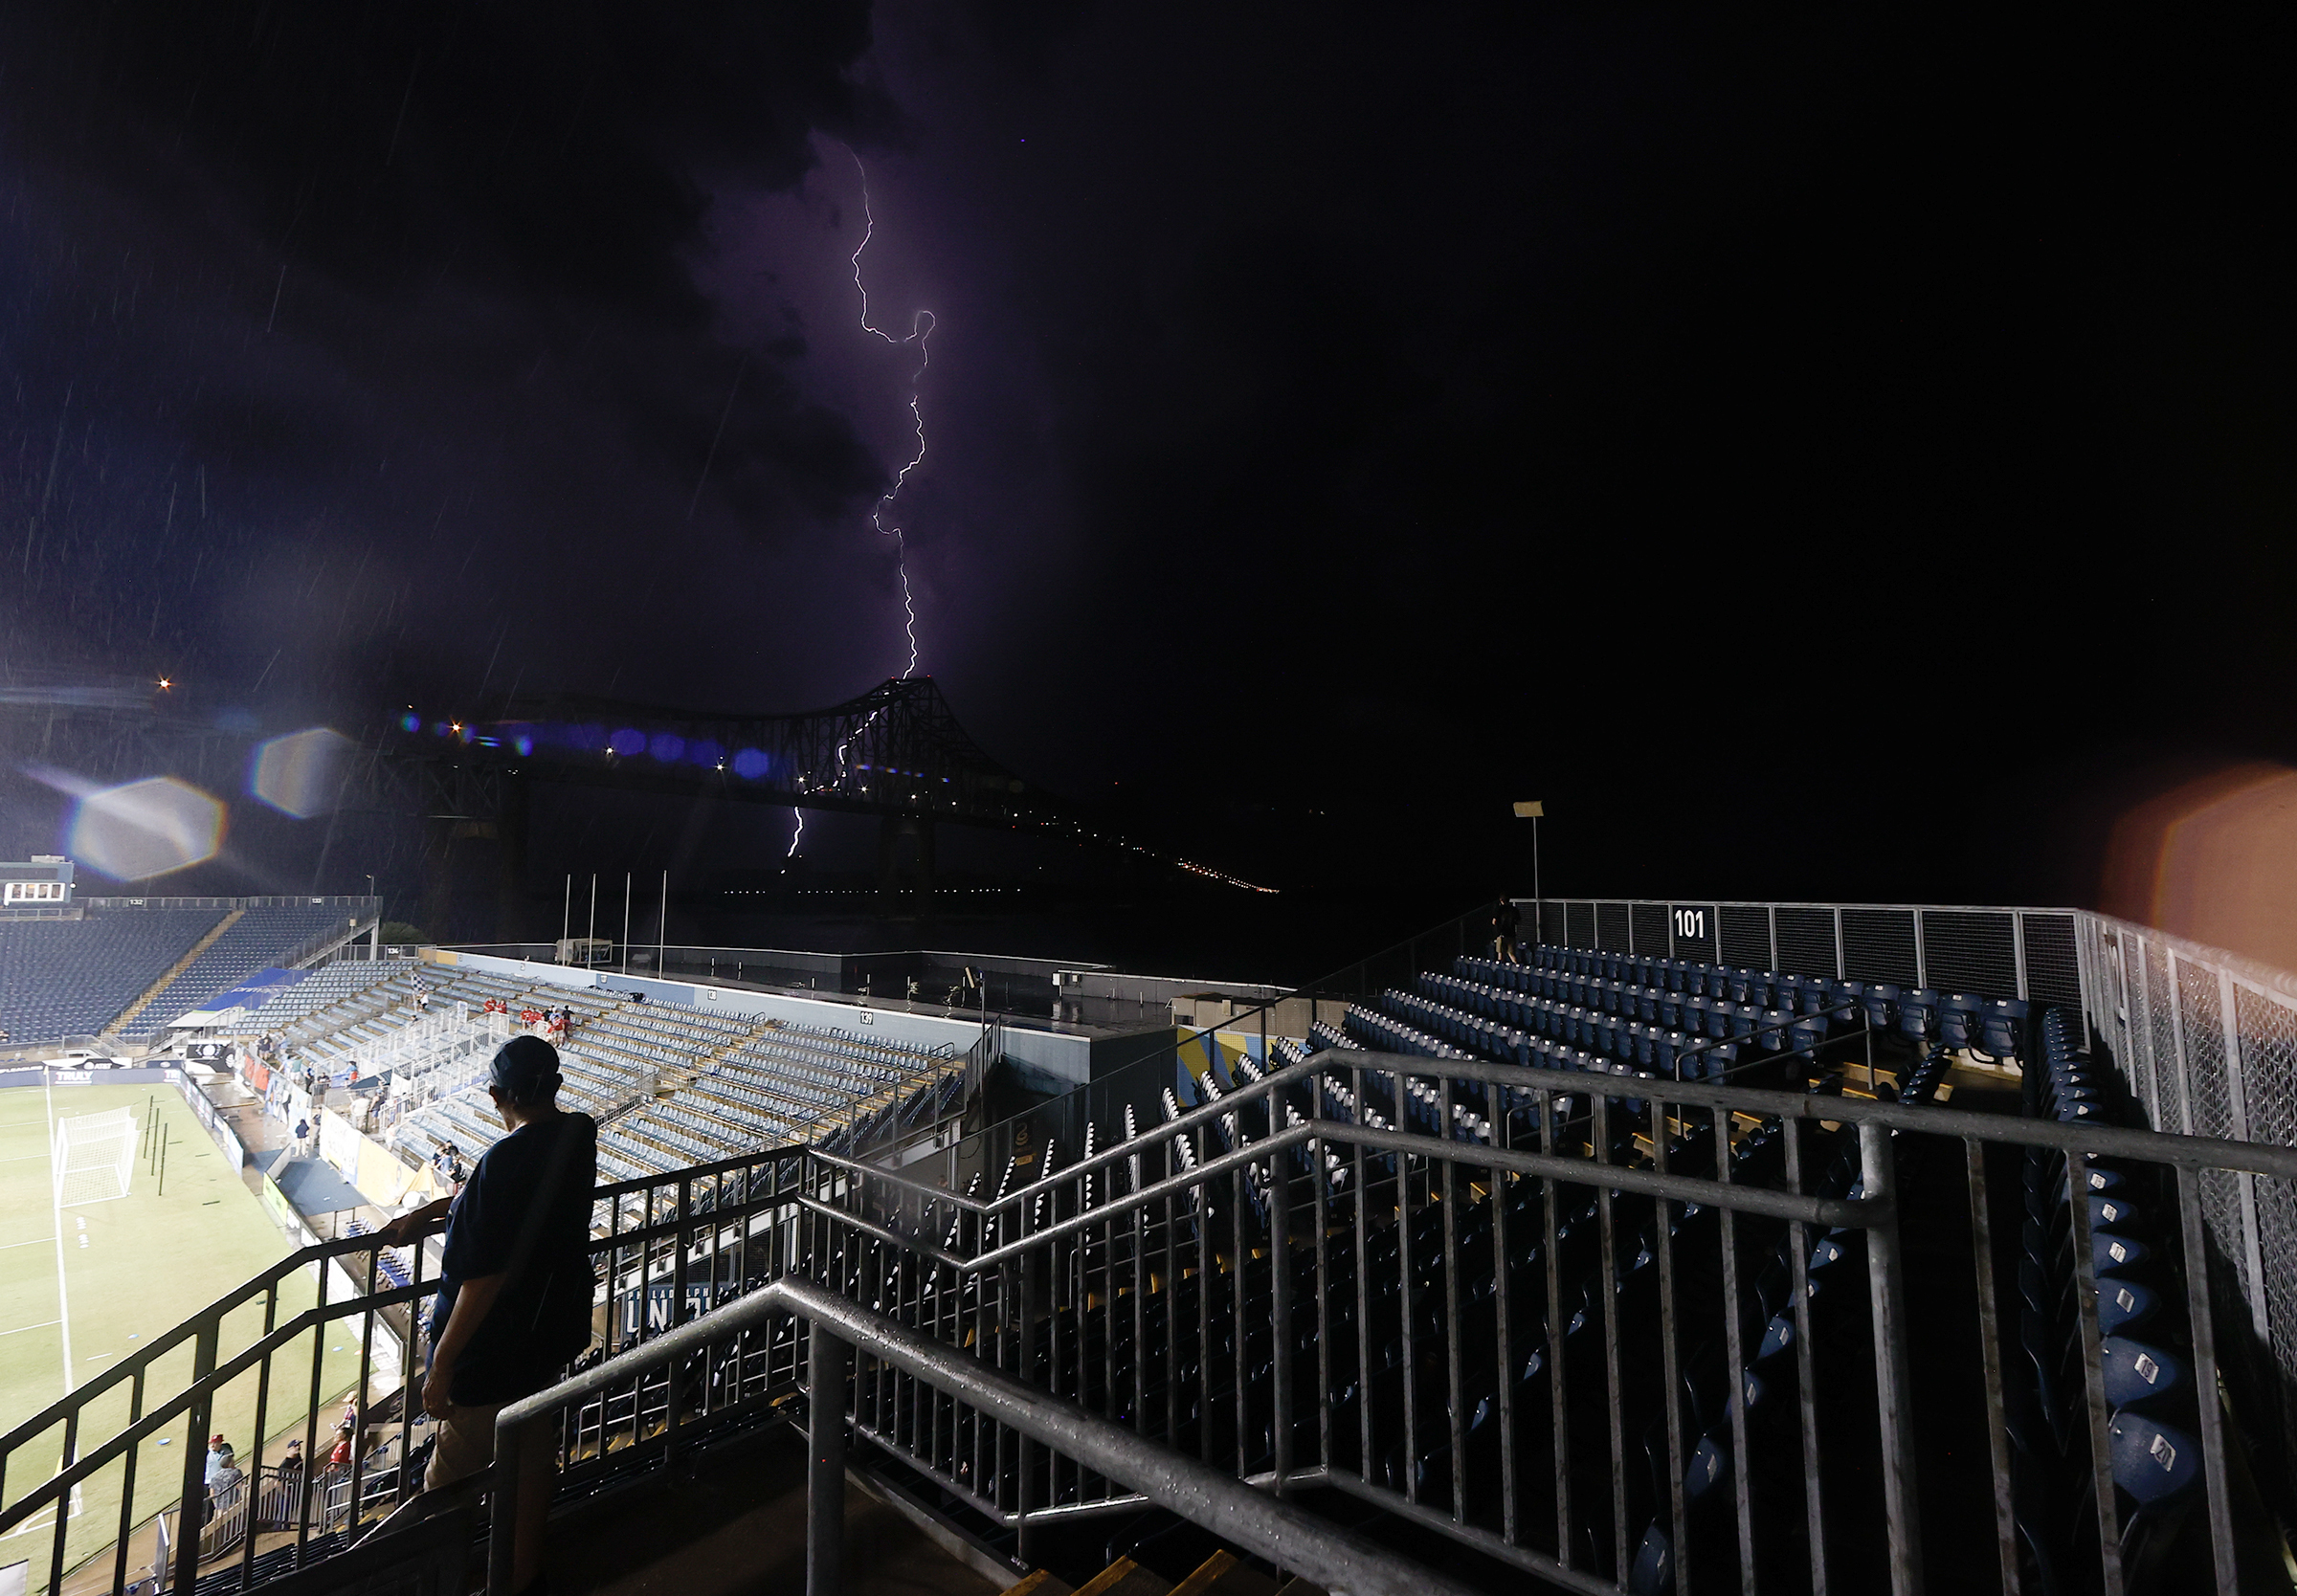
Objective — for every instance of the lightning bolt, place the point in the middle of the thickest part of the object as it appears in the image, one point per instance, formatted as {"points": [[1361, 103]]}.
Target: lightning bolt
{"points": [[920, 333], [921, 323]]}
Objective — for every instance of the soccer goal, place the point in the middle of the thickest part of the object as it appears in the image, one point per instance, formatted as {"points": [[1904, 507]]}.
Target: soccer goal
{"points": [[94, 1157]]}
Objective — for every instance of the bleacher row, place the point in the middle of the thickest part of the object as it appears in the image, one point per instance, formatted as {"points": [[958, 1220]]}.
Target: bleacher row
{"points": [[735, 1084], [1678, 1019], [2148, 1376], [260, 938], [73, 977], [1404, 1279], [1413, 1382], [322, 989]]}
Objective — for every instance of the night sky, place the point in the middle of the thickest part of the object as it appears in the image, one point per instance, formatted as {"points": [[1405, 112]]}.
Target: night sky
{"points": [[1821, 451]]}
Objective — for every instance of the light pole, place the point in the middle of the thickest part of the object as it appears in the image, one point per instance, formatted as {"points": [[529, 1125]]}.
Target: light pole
{"points": [[374, 933], [1532, 809]]}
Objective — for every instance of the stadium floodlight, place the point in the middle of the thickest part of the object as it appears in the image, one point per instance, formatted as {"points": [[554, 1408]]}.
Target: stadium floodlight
{"points": [[94, 1157], [1531, 810]]}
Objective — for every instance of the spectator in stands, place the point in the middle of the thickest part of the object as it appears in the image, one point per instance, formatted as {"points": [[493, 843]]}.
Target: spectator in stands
{"points": [[515, 1283], [219, 1458], [303, 1139], [1505, 920], [229, 1481], [340, 1457]]}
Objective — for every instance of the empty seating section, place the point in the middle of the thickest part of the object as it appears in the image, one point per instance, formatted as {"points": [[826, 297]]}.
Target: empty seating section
{"points": [[66, 977], [673, 1086], [2136, 1284], [322, 989], [1619, 1017], [1616, 1014], [260, 938]]}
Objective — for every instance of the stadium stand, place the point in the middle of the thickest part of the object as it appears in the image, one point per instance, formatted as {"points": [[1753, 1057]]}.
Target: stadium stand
{"points": [[1392, 1277], [323, 988], [66, 977], [673, 1086], [1569, 1010], [259, 939]]}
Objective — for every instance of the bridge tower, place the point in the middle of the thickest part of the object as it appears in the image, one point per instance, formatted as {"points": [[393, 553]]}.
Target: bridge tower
{"points": [[891, 829]]}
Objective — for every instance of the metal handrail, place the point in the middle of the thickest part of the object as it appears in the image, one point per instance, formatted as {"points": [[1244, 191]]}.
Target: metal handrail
{"points": [[1342, 1560], [2186, 1151], [187, 1409], [682, 1240]]}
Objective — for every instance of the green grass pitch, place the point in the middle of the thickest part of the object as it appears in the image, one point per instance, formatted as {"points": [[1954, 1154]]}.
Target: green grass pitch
{"points": [[131, 1269]]}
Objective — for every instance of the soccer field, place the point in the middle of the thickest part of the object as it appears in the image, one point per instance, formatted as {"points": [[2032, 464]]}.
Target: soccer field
{"points": [[82, 1287]]}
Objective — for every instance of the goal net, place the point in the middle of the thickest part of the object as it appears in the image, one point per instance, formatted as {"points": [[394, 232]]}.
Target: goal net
{"points": [[94, 1157]]}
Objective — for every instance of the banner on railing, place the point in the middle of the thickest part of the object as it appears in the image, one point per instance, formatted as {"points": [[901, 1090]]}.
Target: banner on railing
{"points": [[657, 1300]]}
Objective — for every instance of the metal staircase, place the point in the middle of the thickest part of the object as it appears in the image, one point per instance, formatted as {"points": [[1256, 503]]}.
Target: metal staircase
{"points": [[1384, 1323]]}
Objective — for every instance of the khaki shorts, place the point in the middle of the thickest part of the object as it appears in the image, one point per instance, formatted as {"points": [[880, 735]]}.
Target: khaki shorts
{"points": [[465, 1444]]}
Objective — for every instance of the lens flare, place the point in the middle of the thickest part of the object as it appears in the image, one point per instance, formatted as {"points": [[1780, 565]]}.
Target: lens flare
{"points": [[2215, 860], [146, 829], [301, 774]]}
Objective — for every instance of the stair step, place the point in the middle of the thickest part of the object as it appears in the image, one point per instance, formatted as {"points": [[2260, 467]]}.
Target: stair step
{"points": [[1042, 1583], [1225, 1574], [1124, 1578]]}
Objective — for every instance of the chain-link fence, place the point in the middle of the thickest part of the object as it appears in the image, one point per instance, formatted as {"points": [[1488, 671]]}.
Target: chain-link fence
{"points": [[2205, 1040]]}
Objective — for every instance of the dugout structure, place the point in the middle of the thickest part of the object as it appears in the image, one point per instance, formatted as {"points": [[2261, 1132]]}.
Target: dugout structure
{"points": [[94, 1157]]}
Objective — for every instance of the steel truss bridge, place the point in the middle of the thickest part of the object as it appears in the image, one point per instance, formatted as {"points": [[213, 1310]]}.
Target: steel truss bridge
{"points": [[896, 751]]}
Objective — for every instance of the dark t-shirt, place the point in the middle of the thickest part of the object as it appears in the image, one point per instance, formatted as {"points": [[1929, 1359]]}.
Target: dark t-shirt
{"points": [[541, 1318]]}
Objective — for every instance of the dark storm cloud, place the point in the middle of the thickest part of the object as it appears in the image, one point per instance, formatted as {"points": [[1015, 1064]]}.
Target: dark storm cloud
{"points": [[343, 331], [1770, 435], [1738, 420]]}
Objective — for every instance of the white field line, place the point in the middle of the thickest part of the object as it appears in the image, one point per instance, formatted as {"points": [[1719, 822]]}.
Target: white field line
{"points": [[55, 1204]]}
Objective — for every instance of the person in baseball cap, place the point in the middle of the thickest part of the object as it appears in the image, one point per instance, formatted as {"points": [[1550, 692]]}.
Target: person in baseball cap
{"points": [[515, 1284], [523, 1072]]}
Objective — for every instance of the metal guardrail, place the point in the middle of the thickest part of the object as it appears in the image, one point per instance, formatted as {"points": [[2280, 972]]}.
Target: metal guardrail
{"points": [[1581, 1289], [1338, 1559], [93, 1440], [1082, 1254]]}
